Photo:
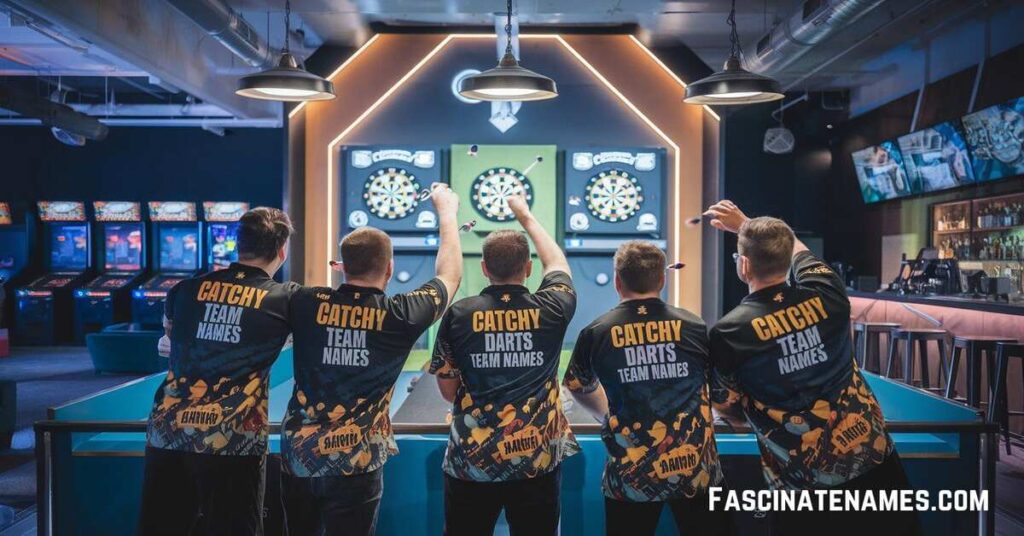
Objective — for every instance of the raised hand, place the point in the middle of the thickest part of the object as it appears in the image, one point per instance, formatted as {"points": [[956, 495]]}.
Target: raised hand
{"points": [[726, 216]]}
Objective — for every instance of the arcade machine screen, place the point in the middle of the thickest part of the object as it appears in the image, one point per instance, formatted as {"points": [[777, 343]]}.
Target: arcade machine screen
{"points": [[881, 173], [123, 247], [936, 158], [995, 136], [7, 260], [69, 247], [223, 245], [179, 249]]}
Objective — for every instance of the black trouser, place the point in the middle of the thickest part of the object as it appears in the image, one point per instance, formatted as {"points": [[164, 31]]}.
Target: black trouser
{"points": [[888, 475], [332, 505], [185, 493], [693, 517], [531, 506]]}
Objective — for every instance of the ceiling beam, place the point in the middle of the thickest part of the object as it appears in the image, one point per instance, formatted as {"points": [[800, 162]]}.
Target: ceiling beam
{"points": [[159, 40]]}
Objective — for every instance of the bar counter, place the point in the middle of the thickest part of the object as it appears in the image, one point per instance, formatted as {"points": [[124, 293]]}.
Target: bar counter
{"points": [[957, 315]]}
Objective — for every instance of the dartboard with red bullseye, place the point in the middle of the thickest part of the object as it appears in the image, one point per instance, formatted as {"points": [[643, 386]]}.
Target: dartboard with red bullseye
{"points": [[492, 188]]}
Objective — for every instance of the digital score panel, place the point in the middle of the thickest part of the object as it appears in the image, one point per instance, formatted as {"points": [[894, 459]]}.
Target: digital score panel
{"points": [[383, 187], [614, 192]]}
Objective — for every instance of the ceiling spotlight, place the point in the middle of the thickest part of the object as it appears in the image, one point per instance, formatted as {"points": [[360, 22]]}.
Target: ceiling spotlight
{"points": [[508, 81], [733, 85], [287, 81]]}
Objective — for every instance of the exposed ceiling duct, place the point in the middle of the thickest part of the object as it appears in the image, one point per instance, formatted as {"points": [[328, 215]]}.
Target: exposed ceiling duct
{"points": [[229, 28], [52, 114], [811, 23]]}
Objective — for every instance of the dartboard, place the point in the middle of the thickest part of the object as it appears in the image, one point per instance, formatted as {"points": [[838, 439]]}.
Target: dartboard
{"points": [[492, 187], [614, 196], [391, 193]]}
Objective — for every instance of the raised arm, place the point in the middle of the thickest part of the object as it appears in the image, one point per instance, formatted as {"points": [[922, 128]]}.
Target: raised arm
{"points": [[448, 267], [726, 216], [552, 259]]}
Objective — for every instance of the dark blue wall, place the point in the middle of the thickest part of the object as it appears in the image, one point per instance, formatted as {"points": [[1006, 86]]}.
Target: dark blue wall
{"points": [[144, 164]]}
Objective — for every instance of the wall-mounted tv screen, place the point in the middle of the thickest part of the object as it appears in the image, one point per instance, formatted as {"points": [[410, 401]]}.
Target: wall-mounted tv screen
{"points": [[179, 248], [223, 245], [995, 137], [880, 172], [936, 158], [122, 247], [69, 247]]}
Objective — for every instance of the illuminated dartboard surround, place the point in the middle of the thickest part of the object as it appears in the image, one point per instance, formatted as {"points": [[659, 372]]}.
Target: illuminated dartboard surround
{"points": [[492, 187], [614, 196], [391, 193]]}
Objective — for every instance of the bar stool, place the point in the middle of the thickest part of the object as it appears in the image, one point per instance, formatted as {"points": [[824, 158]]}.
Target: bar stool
{"points": [[999, 408], [974, 346], [867, 336], [921, 336]]}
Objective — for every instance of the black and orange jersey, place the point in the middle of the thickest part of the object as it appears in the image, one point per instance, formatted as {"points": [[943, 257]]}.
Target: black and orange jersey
{"points": [[228, 327], [504, 346], [785, 354], [350, 345], [652, 360]]}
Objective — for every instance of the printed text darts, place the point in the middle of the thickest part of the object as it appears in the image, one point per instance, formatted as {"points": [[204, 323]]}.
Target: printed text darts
{"points": [[473, 150], [536, 161], [676, 266], [468, 226]]}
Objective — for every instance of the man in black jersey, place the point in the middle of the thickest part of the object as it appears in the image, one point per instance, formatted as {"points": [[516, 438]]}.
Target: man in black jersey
{"points": [[784, 357], [207, 436], [642, 370], [496, 357], [350, 344]]}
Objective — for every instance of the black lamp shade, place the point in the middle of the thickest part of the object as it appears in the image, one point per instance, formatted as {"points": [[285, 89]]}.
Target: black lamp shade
{"points": [[286, 82], [508, 82], [733, 85]]}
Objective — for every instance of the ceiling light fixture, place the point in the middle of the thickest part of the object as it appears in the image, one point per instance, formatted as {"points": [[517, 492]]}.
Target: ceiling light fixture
{"points": [[286, 82], [508, 81], [733, 85]]}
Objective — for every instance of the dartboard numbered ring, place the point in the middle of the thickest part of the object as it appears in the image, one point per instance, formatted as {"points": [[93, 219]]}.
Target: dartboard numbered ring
{"points": [[391, 193], [492, 188], [614, 196]]}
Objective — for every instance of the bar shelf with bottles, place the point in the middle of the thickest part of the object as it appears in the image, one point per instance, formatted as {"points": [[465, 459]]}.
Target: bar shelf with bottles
{"points": [[983, 234]]}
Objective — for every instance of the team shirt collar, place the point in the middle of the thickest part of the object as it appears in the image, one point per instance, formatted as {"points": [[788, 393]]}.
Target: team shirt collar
{"points": [[248, 269], [502, 289], [345, 287], [766, 291]]}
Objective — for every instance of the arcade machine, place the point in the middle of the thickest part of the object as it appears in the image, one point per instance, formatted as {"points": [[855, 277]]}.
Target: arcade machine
{"points": [[13, 258], [106, 299], [612, 195], [382, 187], [175, 242], [44, 306], [483, 176], [222, 232]]}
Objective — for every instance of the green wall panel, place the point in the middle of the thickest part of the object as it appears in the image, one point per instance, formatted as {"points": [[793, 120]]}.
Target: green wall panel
{"points": [[504, 163]]}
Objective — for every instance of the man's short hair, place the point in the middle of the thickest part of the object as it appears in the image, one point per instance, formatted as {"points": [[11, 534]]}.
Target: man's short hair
{"points": [[262, 232], [768, 244], [640, 266], [506, 254], [365, 251]]}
